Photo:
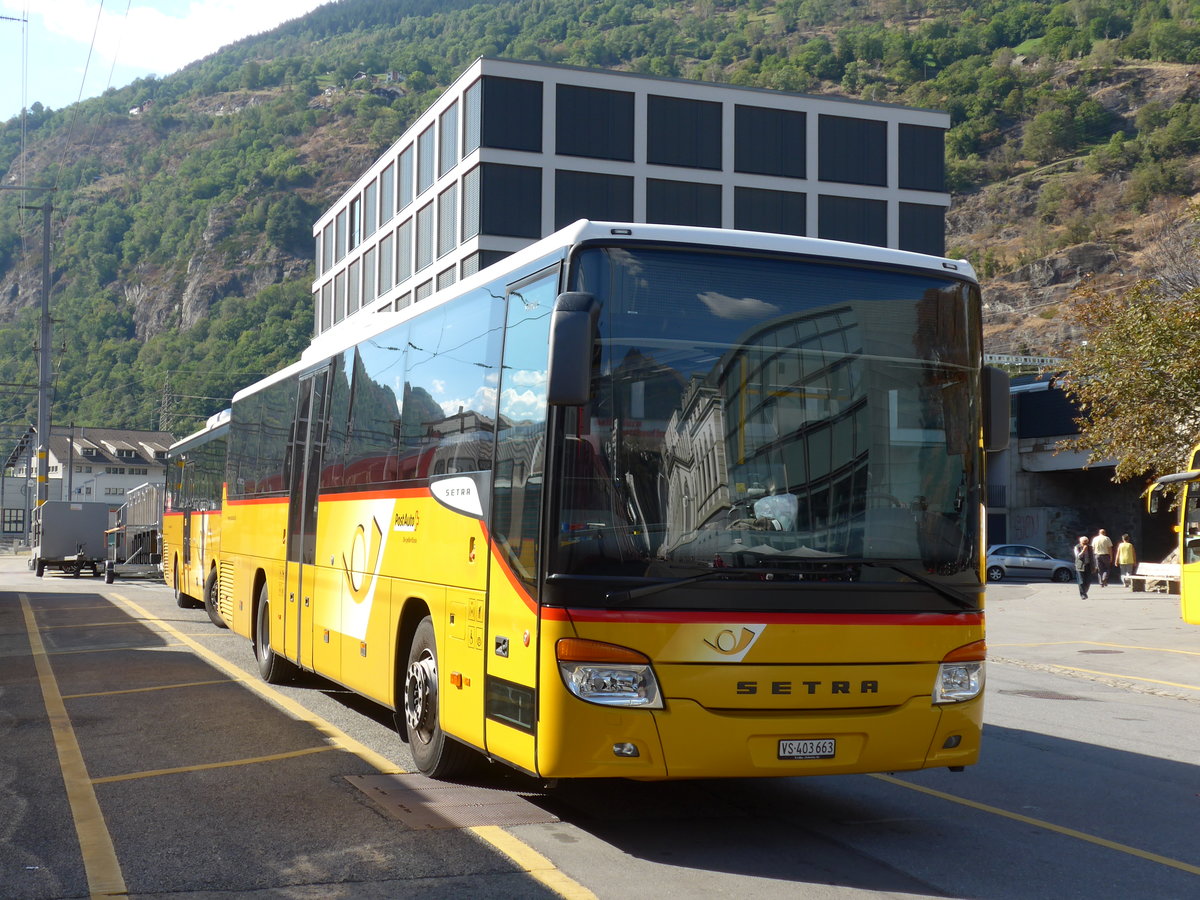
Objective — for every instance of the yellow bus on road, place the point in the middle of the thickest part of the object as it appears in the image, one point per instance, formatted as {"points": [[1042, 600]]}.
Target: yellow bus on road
{"points": [[192, 515], [1189, 533], [637, 501]]}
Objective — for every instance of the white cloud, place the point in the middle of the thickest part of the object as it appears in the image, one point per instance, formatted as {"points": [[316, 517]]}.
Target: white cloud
{"points": [[737, 307], [160, 37]]}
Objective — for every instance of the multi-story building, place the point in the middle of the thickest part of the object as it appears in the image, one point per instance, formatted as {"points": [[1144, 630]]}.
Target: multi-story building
{"points": [[513, 151]]}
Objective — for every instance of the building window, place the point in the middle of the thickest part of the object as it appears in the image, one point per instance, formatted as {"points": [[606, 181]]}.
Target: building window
{"points": [[340, 236], [327, 248], [404, 178], [425, 160], [368, 276], [923, 228], [403, 300], [779, 212], [424, 236], [339, 297], [683, 132], [114, 470], [922, 158], [326, 305], [683, 203], [852, 151], [853, 219], [447, 214], [318, 255], [470, 211], [114, 491], [769, 141], [14, 521], [423, 291], [594, 123], [370, 209], [139, 470], [587, 195], [387, 192], [445, 278], [353, 287], [509, 200], [511, 114], [472, 98], [404, 250], [448, 139], [387, 262], [356, 230]]}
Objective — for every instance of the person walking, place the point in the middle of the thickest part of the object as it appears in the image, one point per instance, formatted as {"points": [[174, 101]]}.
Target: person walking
{"points": [[1102, 547], [1085, 565], [1126, 558]]}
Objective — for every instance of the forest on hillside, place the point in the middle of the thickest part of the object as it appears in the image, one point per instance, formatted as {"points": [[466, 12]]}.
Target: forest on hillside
{"points": [[183, 205]]}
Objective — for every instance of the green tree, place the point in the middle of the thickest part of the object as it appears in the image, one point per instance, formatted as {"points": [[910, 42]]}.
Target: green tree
{"points": [[1136, 378]]}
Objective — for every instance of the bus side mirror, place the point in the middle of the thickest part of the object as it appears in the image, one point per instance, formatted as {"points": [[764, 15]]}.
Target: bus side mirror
{"points": [[1153, 498], [572, 336], [996, 406]]}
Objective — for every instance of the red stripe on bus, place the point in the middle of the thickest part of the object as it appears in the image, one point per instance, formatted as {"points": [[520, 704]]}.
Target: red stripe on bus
{"points": [[728, 617]]}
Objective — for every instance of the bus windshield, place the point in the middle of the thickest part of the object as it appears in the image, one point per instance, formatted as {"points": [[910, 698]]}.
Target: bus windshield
{"points": [[807, 419]]}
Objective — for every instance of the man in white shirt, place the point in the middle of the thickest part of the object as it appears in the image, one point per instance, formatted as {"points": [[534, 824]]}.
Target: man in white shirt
{"points": [[1102, 546]]}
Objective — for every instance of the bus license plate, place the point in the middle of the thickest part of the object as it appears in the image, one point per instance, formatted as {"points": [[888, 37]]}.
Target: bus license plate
{"points": [[821, 748]]}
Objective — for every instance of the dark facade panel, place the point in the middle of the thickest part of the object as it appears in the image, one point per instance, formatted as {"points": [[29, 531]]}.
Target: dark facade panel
{"points": [[853, 219], [923, 228], [683, 203], [511, 114], [852, 151], [587, 195], [780, 212], [769, 141], [510, 200], [1047, 413], [922, 158], [683, 132], [594, 123]]}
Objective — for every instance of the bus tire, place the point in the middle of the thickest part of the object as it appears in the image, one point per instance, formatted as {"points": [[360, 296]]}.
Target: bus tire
{"points": [[40, 567], [435, 754], [210, 600], [273, 668]]}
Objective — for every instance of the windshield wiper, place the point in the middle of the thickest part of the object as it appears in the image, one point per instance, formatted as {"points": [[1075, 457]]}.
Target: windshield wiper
{"points": [[950, 594], [651, 589]]}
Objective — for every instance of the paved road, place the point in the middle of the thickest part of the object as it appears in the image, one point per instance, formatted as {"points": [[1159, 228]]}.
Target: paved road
{"points": [[139, 753]]}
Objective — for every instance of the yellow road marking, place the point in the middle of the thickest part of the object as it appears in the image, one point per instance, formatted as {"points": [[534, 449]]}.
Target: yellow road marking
{"points": [[200, 767], [100, 864], [532, 862], [1190, 687], [157, 687], [1100, 644], [1049, 826]]}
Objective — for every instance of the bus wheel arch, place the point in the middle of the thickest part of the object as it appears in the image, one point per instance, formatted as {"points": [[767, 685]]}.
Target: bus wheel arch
{"points": [[211, 599], [436, 754]]}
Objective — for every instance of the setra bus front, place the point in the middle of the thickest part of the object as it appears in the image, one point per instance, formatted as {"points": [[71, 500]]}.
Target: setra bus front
{"points": [[763, 515]]}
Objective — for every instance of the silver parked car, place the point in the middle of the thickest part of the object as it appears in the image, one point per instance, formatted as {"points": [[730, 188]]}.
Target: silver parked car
{"points": [[1023, 561]]}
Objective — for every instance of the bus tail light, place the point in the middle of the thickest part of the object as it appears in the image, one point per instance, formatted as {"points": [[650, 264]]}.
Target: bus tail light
{"points": [[608, 674], [960, 676]]}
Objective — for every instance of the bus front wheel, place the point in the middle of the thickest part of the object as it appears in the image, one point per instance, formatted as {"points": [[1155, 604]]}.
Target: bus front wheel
{"points": [[435, 754], [273, 668]]}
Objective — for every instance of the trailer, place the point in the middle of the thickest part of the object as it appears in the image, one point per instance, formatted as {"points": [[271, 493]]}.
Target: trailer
{"points": [[69, 536], [135, 544]]}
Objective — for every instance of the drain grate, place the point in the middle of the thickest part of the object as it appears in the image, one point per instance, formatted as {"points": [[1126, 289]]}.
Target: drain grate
{"points": [[421, 802]]}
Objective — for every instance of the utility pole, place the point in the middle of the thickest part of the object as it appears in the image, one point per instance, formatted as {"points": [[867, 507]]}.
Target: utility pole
{"points": [[44, 339]]}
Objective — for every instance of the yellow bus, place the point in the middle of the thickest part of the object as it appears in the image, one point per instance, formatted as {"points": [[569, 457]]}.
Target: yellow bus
{"points": [[192, 515], [636, 501], [1189, 533]]}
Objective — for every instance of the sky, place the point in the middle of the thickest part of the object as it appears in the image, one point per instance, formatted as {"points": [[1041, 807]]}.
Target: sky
{"points": [[126, 40]]}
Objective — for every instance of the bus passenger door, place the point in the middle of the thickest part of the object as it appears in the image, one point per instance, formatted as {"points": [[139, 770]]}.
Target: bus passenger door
{"points": [[304, 473], [512, 644]]}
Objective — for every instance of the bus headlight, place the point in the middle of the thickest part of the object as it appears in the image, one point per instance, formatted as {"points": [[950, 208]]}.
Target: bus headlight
{"points": [[960, 676], [608, 674]]}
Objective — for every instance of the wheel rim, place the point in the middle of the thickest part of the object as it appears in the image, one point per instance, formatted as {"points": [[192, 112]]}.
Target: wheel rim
{"points": [[995, 574], [420, 695]]}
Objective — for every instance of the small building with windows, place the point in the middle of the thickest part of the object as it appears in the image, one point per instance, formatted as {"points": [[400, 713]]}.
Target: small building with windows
{"points": [[512, 151], [85, 464]]}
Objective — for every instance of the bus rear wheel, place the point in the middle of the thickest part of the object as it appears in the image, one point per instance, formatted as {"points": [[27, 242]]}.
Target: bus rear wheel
{"points": [[210, 600], [436, 755], [273, 668]]}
